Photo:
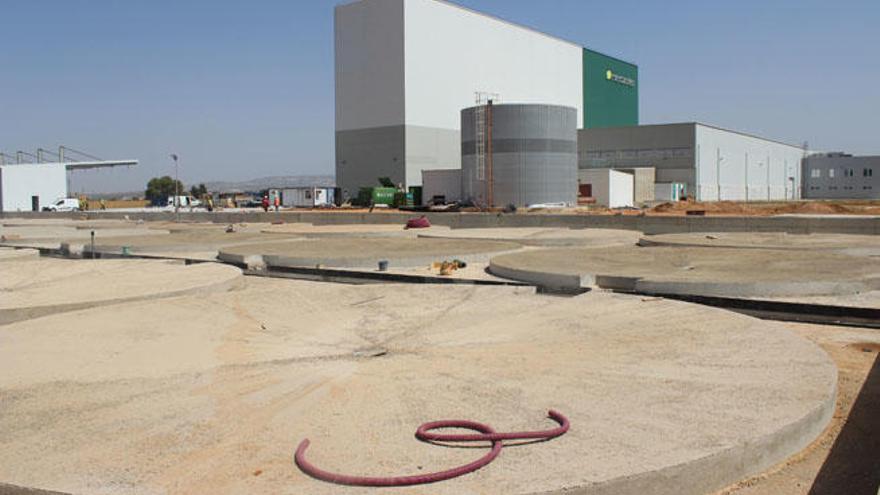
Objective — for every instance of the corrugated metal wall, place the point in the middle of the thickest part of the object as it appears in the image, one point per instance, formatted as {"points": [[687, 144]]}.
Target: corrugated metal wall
{"points": [[534, 155]]}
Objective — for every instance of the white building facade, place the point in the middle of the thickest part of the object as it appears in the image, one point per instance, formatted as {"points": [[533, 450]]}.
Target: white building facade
{"points": [[406, 68], [30, 187], [716, 164]]}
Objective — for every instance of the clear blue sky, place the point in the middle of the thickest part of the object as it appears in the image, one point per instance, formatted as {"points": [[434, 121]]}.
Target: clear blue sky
{"points": [[244, 89]]}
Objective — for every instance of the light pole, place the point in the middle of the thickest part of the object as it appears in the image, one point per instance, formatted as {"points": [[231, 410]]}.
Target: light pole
{"points": [[176, 189]]}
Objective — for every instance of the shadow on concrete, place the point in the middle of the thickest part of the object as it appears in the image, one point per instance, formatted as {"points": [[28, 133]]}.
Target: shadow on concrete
{"points": [[853, 465]]}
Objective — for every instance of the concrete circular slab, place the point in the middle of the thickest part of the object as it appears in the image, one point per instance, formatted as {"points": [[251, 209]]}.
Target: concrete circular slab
{"points": [[212, 394], [54, 234], [11, 254], [693, 270], [364, 252], [47, 286], [544, 236], [862, 245], [201, 243], [350, 230]]}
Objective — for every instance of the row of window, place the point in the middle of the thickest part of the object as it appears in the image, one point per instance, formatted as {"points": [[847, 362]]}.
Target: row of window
{"points": [[816, 173], [652, 153], [834, 188]]}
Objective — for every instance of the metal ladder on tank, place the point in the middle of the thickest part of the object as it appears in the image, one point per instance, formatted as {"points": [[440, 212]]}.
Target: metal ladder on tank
{"points": [[482, 99], [480, 141]]}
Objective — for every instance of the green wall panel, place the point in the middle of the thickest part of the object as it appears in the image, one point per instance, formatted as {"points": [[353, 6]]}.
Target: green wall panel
{"points": [[611, 91]]}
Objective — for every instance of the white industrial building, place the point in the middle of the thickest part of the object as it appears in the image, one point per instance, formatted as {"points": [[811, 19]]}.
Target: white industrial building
{"points": [[714, 163], [406, 68], [29, 187]]}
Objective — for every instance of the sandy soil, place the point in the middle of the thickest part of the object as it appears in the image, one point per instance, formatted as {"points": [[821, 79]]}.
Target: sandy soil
{"points": [[770, 208]]}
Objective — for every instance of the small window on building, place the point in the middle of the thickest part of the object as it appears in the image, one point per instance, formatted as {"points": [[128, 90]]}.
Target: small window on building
{"points": [[867, 172], [815, 173], [830, 173]]}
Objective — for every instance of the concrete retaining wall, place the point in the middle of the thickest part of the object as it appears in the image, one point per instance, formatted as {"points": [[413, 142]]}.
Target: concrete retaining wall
{"points": [[865, 225]]}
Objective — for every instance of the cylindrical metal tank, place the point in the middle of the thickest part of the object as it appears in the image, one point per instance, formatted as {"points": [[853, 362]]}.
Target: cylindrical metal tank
{"points": [[531, 157]]}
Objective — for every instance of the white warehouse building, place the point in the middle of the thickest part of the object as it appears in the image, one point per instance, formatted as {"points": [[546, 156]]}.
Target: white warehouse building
{"points": [[716, 164], [406, 68], [30, 187]]}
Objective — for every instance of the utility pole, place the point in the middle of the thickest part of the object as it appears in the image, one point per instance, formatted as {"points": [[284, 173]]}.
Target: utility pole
{"points": [[176, 189]]}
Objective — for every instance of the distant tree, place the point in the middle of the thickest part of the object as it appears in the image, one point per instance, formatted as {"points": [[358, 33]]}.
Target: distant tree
{"points": [[160, 188], [198, 191]]}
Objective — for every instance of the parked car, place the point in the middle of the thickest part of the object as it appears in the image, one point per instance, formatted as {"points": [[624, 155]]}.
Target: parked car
{"points": [[63, 204]]}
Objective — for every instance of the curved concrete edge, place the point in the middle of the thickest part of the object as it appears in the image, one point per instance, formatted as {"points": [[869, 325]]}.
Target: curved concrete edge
{"points": [[336, 235], [248, 260], [857, 252], [714, 472], [567, 281], [558, 281], [345, 262], [750, 289], [7, 489], [12, 315], [644, 242], [548, 242]]}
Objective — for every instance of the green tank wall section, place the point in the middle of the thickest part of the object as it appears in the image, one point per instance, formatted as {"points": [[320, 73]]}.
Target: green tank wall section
{"points": [[611, 99]]}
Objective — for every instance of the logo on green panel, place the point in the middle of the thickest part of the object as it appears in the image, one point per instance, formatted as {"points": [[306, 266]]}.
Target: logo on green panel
{"points": [[626, 81]]}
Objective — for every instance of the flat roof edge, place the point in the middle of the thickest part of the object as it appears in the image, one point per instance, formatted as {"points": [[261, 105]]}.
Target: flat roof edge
{"points": [[493, 17], [670, 124]]}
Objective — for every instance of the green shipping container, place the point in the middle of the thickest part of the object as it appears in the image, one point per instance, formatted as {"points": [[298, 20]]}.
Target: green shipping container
{"points": [[384, 195]]}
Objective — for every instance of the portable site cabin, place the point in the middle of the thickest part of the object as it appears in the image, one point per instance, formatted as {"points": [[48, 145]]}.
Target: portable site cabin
{"points": [[308, 197]]}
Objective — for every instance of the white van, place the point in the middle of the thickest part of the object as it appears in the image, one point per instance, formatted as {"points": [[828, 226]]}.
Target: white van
{"points": [[63, 204], [184, 202]]}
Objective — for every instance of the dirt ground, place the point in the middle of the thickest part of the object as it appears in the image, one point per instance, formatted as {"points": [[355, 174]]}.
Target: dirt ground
{"points": [[771, 208], [846, 458]]}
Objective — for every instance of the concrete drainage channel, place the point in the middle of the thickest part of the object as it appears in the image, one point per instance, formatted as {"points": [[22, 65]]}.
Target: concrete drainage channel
{"points": [[788, 311], [768, 310], [361, 277], [334, 275]]}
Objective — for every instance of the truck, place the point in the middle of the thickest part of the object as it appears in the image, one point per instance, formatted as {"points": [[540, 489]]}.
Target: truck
{"points": [[63, 204]]}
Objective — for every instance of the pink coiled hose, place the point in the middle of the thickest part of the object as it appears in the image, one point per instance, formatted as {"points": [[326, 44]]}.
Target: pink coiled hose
{"points": [[426, 433]]}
